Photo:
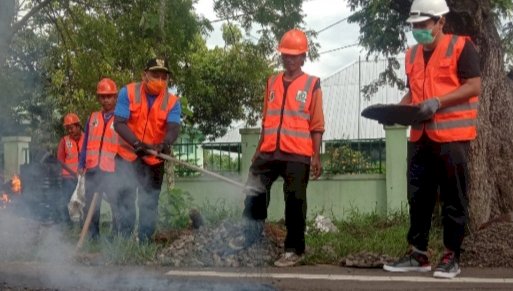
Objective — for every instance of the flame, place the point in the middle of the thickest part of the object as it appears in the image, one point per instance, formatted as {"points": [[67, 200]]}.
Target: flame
{"points": [[4, 200], [16, 184]]}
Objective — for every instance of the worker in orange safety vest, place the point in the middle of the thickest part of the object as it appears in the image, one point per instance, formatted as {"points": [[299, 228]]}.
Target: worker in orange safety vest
{"points": [[99, 149], [147, 117], [68, 155], [290, 143], [444, 80]]}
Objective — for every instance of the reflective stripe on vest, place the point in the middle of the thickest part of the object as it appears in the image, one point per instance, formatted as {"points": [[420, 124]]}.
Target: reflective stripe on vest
{"points": [[286, 120], [439, 77], [102, 143], [72, 150], [148, 125]]}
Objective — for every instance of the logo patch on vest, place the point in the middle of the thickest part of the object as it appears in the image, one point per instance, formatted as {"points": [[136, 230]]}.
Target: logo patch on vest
{"points": [[69, 144], [301, 96], [95, 122], [271, 96]]}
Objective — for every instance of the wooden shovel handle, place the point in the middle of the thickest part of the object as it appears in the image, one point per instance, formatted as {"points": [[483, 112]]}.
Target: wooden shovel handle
{"points": [[87, 221]]}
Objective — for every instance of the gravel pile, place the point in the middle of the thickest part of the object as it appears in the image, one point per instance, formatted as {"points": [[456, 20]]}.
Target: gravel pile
{"points": [[208, 247]]}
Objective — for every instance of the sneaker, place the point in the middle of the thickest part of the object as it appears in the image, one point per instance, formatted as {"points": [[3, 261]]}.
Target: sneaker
{"points": [[412, 261], [448, 267], [288, 259]]}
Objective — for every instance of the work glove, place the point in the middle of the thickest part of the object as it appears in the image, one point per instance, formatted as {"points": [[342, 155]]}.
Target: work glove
{"points": [[141, 148], [428, 108], [163, 148]]}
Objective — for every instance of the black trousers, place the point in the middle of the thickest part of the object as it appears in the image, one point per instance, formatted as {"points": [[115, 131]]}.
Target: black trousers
{"points": [[62, 213], [148, 180], [99, 181], [434, 167], [262, 175]]}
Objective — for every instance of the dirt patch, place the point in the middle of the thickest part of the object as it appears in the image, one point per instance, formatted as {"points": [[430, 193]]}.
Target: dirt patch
{"points": [[489, 247]]}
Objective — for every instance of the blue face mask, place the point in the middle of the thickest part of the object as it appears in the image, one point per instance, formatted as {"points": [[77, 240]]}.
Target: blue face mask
{"points": [[423, 36]]}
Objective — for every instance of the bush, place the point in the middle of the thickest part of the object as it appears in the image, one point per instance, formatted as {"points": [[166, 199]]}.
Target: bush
{"points": [[345, 160], [220, 162], [174, 209]]}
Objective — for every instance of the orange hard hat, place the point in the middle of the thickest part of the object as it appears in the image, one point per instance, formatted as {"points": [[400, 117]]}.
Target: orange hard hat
{"points": [[71, 118], [293, 42], [106, 87]]}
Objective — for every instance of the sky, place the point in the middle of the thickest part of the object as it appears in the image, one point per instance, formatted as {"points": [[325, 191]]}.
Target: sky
{"points": [[319, 14]]}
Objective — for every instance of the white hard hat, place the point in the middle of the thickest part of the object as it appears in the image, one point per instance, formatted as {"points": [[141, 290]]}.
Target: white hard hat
{"points": [[422, 10]]}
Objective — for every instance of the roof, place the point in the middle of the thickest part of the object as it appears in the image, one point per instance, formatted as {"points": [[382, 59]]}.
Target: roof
{"points": [[343, 102]]}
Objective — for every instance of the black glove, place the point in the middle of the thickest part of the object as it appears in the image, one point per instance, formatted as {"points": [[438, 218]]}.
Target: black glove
{"points": [[163, 148], [141, 148], [428, 108]]}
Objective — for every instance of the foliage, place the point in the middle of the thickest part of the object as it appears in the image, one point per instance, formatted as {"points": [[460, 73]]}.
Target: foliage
{"points": [[81, 41], [224, 84], [174, 209], [216, 212], [344, 159], [220, 161], [274, 18]]}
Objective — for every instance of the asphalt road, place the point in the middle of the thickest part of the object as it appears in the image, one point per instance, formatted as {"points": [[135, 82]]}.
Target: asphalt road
{"points": [[38, 276]]}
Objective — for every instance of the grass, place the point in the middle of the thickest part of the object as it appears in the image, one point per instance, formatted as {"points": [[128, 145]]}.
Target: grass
{"points": [[364, 233], [122, 251], [358, 233]]}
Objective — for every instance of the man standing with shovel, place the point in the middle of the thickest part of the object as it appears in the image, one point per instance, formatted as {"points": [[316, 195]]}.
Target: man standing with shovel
{"points": [[147, 117], [98, 152]]}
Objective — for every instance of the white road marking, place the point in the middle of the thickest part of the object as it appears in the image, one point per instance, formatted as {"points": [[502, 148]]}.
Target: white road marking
{"points": [[333, 277]]}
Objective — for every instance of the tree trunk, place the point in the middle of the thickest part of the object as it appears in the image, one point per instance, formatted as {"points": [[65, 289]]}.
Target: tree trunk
{"points": [[7, 13], [491, 156]]}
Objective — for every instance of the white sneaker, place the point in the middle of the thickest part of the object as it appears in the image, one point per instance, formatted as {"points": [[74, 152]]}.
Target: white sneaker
{"points": [[288, 259]]}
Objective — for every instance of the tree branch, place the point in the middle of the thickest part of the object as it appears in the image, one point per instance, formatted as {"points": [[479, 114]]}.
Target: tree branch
{"points": [[18, 25]]}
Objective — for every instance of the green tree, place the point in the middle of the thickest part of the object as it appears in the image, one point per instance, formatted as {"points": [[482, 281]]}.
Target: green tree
{"points": [[272, 17], [383, 32], [224, 84]]}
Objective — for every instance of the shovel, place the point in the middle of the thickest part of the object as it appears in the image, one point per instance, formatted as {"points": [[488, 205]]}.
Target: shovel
{"points": [[87, 221], [389, 114], [196, 168]]}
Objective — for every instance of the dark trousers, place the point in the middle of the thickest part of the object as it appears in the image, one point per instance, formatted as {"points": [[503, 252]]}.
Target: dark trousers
{"points": [[148, 180], [101, 182], [262, 175], [434, 167], [62, 214]]}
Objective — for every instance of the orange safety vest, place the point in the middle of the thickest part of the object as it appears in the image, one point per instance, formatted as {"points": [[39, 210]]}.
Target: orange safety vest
{"points": [[439, 77], [286, 122], [72, 149], [149, 126], [102, 143]]}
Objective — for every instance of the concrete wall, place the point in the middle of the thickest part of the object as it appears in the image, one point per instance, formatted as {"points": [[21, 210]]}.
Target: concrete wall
{"points": [[16, 153], [336, 196]]}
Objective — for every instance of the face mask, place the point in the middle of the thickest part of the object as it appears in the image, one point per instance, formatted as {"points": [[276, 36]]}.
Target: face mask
{"points": [[155, 86], [423, 36]]}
